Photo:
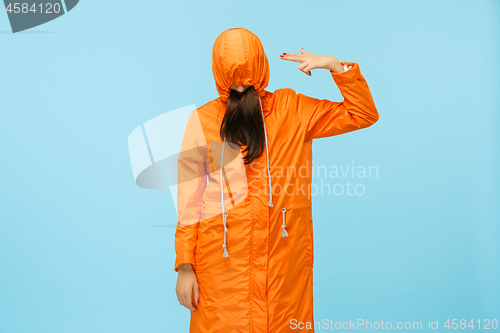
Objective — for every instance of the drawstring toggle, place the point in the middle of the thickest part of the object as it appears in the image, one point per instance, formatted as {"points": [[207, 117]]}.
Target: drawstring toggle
{"points": [[284, 233], [224, 219]]}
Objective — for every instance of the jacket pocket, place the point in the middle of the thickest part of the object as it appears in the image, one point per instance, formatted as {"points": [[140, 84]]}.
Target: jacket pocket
{"points": [[310, 234], [208, 237], [296, 233]]}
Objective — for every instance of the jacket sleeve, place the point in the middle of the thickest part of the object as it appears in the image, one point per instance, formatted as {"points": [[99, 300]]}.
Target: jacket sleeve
{"points": [[191, 184], [324, 118]]}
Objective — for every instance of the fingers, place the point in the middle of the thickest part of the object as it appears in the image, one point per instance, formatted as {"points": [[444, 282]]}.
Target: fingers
{"points": [[306, 67], [302, 56], [305, 58], [196, 293], [185, 297], [186, 300], [293, 57], [193, 302]]}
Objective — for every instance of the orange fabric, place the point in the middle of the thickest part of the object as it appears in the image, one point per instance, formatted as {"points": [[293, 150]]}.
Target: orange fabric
{"points": [[238, 57], [267, 280]]}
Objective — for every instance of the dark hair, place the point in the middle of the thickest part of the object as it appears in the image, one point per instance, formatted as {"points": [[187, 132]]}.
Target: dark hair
{"points": [[242, 123]]}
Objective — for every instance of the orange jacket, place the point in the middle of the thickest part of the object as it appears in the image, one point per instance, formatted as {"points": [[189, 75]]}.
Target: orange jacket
{"points": [[252, 248]]}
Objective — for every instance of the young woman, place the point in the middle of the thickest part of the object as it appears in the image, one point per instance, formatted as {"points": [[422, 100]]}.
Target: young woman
{"points": [[244, 239]]}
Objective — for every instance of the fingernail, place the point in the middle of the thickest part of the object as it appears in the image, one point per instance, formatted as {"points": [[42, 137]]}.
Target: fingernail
{"points": [[284, 53], [198, 301], [281, 56]]}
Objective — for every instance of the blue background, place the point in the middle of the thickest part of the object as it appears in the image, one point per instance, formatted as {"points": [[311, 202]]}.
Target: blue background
{"points": [[79, 250]]}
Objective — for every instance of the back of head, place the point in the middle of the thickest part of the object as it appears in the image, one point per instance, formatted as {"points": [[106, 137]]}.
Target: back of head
{"points": [[238, 58]]}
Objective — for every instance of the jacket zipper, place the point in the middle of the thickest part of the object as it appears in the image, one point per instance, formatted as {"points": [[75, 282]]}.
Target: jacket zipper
{"points": [[284, 233]]}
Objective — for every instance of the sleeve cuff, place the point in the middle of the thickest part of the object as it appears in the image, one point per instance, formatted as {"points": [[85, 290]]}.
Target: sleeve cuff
{"points": [[183, 258], [347, 76]]}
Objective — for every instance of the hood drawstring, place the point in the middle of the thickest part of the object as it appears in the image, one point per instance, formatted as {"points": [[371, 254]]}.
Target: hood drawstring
{"points": [[224, 213], [270, 202]]}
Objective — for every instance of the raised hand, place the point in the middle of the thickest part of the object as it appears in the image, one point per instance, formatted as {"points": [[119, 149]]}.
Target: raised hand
{"points": [[309, 61]]}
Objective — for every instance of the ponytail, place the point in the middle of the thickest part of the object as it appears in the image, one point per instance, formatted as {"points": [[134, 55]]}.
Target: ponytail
{"points": [[242, 123]]}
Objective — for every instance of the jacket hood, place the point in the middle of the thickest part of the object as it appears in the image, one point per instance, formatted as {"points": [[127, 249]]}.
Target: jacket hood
{"points": [[238, 58]]}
